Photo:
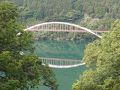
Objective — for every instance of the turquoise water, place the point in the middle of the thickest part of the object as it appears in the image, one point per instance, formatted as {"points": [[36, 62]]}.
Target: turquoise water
{"points": [[62, 49]]}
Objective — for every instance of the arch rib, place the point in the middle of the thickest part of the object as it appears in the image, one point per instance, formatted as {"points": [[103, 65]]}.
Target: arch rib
{"points": [[65, 23]]}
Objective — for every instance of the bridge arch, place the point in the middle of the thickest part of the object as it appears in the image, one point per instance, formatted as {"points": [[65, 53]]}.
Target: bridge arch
{"points": [[63, 27]]}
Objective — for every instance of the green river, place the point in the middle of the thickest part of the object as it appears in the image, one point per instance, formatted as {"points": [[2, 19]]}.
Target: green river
{"points": [[62, 49]]}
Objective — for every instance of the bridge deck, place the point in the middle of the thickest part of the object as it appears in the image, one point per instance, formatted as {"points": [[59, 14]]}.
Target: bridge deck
{"points": [[62, 30]]}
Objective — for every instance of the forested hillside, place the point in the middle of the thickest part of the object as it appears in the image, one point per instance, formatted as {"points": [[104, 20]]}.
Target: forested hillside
{"points": [[95, 14], [104, 54]]}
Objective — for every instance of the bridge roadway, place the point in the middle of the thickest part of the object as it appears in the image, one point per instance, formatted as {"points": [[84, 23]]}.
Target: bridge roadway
{"points": [[61, 63], [60, 30]]}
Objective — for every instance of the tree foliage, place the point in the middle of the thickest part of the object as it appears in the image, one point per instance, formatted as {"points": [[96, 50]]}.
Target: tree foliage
{"points": [[103, 54], [34, 11], [18, 69]]}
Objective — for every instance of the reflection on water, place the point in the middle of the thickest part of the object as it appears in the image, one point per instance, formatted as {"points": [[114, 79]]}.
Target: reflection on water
{"points": [[62, 49]]}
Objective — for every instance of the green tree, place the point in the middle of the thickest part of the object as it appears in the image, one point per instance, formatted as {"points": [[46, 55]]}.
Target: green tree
{"points": [[103, 54], [67, 10], [18, 69]]}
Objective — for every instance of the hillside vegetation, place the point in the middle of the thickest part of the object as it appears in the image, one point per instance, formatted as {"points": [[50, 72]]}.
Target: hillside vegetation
{"points": [[104, 54], [95, 14]]}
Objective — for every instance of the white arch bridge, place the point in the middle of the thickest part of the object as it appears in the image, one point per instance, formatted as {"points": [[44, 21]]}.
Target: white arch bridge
{"points": [[62, 27]]}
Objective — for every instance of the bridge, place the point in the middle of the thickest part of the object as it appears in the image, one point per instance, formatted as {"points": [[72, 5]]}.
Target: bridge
{"points": [[61, 63], [62, 27]]}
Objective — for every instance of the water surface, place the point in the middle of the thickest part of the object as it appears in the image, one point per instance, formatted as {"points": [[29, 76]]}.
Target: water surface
{"points": [[62, 49]]}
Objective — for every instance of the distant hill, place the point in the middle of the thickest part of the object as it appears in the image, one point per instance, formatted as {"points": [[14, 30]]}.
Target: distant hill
{"points": [[33, 11]]}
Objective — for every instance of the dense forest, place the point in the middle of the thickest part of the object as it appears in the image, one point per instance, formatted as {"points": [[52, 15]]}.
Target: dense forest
{"points": [[22, 71], [104, 54], [18, 70], [94, 14]]}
